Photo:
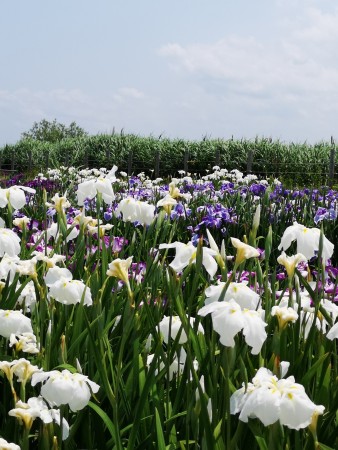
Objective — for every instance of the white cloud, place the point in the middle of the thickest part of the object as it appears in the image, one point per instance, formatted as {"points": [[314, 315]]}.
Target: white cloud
{"points": [[320, 27], [43, 103], [124, 108], [294, 73], [289, 65], [126, 95], [131, 92]]}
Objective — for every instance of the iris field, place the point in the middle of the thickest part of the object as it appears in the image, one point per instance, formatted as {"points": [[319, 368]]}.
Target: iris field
{"points": [[188, 313]]}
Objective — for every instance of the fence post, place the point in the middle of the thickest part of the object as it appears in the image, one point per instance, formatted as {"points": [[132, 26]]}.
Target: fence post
{"points": [[29, 160], [217, 157], [186, 160], [47, 160], [108, 156], [332, 162], [157, 164], [249, 161], [12, 161], [85, 159], [130, 162]]}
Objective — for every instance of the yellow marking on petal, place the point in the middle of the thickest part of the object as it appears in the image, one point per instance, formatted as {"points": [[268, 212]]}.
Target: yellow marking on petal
{"points": [[193, 257]]}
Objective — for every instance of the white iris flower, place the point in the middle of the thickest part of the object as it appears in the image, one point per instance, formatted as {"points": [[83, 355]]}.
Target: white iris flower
{"points": [[269, 399], [65, 388], [228, 319], [307, 241], [186, 254]]}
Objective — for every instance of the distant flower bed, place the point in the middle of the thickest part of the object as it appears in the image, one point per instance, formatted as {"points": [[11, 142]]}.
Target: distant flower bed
{"points": [[142, 313]]}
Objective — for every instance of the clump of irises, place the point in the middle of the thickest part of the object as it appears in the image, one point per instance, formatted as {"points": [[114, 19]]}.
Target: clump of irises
{"points": [[194, 311]]}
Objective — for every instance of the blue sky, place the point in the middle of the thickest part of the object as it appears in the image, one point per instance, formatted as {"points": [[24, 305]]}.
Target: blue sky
{"points": [[184, 68]]}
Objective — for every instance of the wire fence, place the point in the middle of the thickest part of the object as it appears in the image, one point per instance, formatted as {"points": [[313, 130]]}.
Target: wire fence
{"points": [[132, 164]]}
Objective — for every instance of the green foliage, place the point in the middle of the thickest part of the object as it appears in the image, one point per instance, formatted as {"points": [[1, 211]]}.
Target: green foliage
{"points": [[52, 144], [46, 131]]}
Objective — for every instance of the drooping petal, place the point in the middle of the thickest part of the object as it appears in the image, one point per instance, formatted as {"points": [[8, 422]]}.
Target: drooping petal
{"points": [[14, 322], [254, 330], [86, 190], [56, 273], [209, 261], [213, 293], [9, 242], [296, 408], [333, 333], [3, 198], [16, 197], [262, 404], [227, 320], [172, 326], [288, 237]]}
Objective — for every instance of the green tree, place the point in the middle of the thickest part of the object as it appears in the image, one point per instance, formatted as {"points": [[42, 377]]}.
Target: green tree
{"points": [[53, 131]]}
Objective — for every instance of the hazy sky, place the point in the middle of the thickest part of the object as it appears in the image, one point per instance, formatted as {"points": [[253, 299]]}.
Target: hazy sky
{"points": [[180, 68]]}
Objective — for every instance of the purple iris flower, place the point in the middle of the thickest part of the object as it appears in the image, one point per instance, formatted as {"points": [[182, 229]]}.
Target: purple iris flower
{"points": [[108, 215], [134, 181], [257, 189], [88, 204], [325, 214], [200, 209], [280, 276], [72, 212], [118, 243], [51, 212], [34, 225], [195, 239], [178, 211], [332, 271], [137, 271], [228, 187]]}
